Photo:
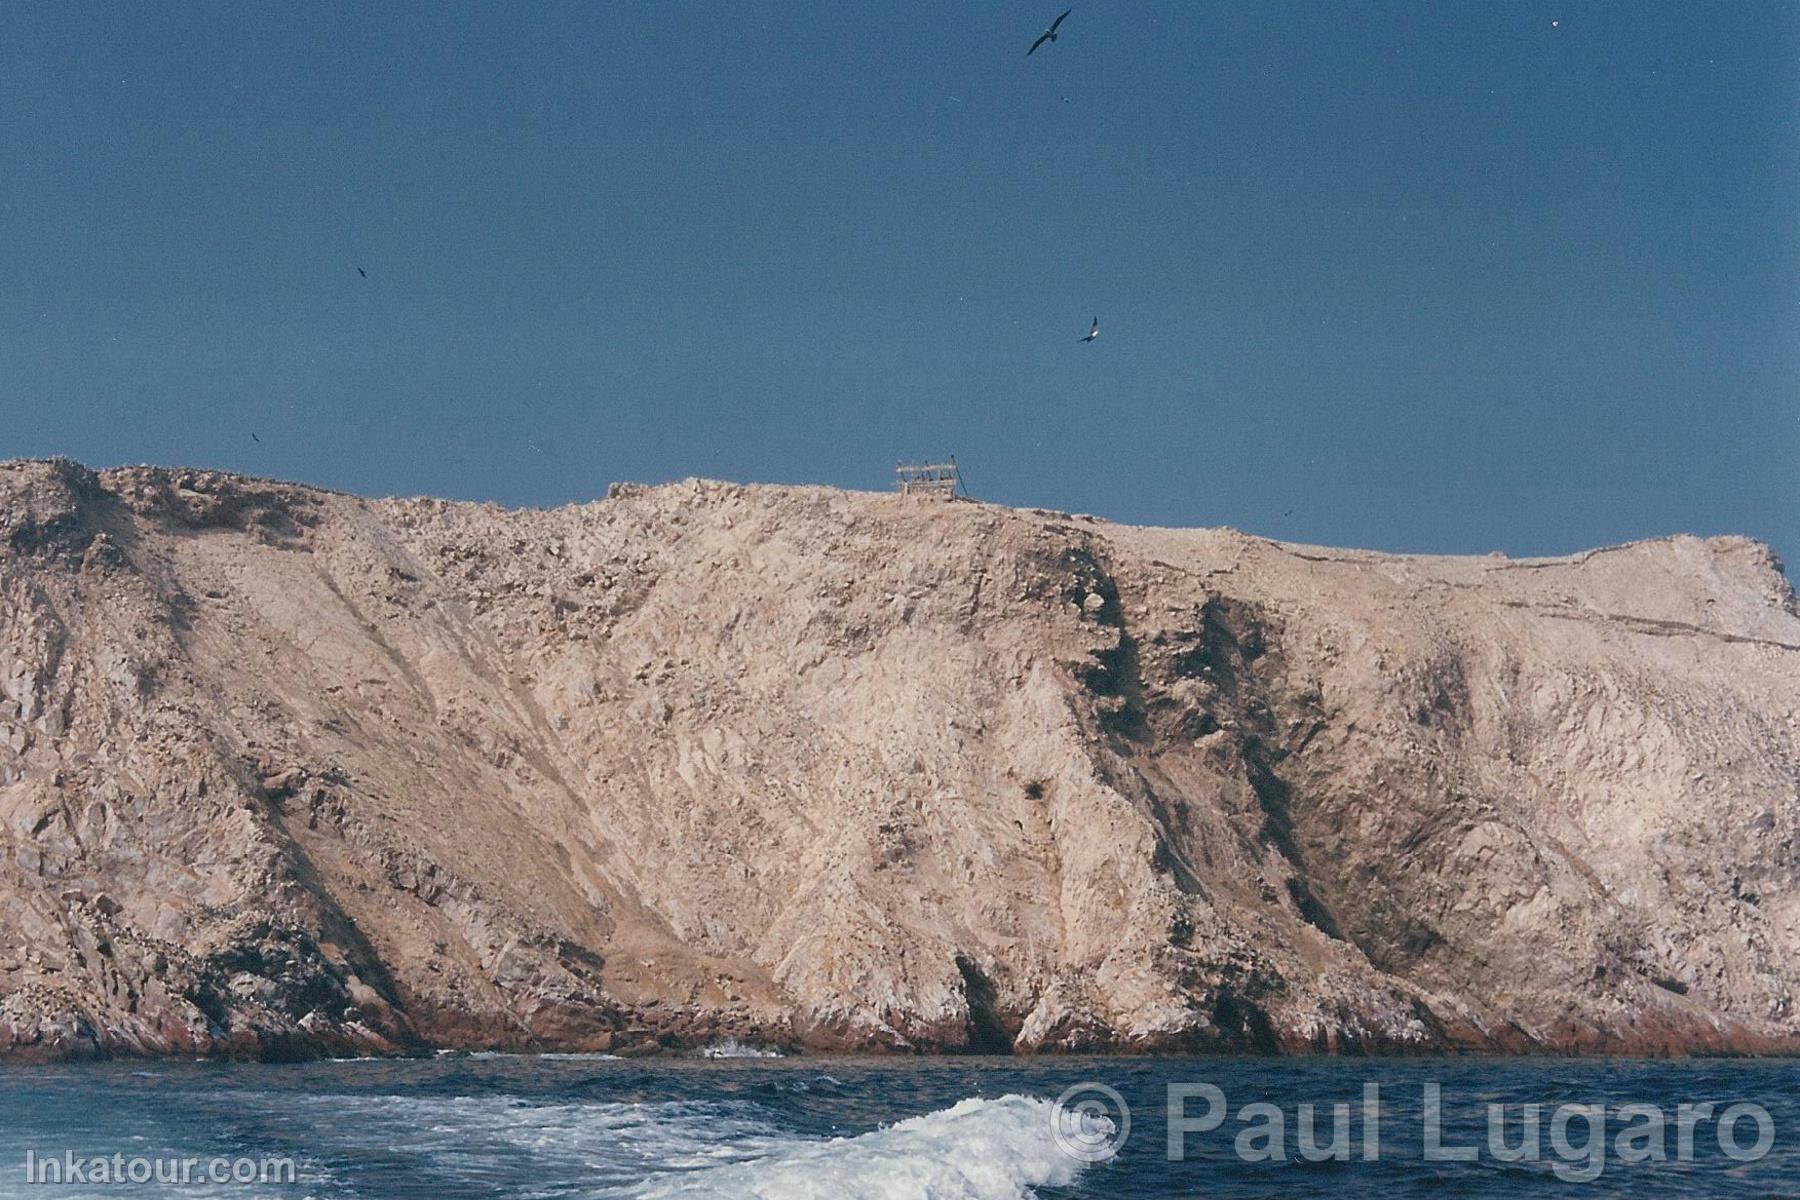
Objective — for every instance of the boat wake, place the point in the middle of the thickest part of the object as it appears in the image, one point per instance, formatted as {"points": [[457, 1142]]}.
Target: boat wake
{"points": [[723, 1148], [976, 1150]]}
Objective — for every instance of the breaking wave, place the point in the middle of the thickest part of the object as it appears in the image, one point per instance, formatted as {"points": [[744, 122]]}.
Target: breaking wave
{"points": [[732, 1048], [721, 1148], [976, 1150]]}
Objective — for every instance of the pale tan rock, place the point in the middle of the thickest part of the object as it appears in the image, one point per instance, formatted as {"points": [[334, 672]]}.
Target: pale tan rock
{"points": [[287, 772]]}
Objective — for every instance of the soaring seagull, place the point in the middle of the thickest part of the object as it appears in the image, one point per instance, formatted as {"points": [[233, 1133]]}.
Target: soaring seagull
{"points": [[1049, 35], [1094, 332]]}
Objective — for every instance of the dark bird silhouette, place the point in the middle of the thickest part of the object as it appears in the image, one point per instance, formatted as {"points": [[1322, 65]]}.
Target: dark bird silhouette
{"points": [[1049, 35], [254, 438], [1094, 332], [362, 272]]}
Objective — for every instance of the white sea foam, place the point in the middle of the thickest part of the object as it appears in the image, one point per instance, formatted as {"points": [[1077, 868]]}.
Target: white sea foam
{"points": [[593, 1144], [977, 1150], [724, 1149], [732, 1048]]}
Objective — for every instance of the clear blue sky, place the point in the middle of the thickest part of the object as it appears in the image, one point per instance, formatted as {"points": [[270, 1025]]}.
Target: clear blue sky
{"points": [[1421, 276]]}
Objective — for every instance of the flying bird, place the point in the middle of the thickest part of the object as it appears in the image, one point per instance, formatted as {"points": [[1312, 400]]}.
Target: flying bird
{"points": [[254, 438], [1094, 332], [1049, 35], [362, 272]]}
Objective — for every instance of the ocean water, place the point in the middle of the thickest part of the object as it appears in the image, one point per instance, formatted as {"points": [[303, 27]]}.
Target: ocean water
{"points": [[845, 1129]]}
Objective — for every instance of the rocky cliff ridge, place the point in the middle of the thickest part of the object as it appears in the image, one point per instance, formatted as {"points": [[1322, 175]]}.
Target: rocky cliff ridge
{"points": [[287, 772]]}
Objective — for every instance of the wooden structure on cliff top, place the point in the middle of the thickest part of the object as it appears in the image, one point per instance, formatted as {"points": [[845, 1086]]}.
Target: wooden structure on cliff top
{"points": [[928, 479]]}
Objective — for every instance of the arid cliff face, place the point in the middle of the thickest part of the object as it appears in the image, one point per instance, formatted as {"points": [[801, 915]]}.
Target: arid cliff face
{"points": [[287, 772]]}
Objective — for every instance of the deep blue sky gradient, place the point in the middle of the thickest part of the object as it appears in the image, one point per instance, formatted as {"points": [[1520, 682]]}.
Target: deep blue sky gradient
{"points": [[1418, 276]]}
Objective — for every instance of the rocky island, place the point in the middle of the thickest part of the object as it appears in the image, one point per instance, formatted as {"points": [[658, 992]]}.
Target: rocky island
{"points": [[286, 772]]}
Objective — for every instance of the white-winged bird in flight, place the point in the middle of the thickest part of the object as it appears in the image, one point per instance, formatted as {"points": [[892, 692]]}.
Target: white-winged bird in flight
{"points": [[1094, 332], [1049, 35]]}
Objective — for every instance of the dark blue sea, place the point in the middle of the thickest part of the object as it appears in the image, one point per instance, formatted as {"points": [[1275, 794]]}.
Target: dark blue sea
{"points": [[957, 1129]]}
